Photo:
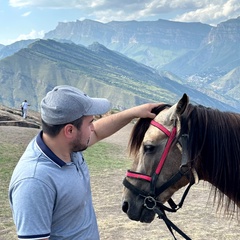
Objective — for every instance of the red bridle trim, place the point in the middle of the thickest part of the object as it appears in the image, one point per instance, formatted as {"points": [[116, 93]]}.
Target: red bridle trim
{"points": [[166, 150], [161, 127], [171, 138], [138, 176]]}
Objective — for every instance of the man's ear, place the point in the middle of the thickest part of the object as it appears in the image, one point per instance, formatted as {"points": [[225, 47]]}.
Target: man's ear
{"points": [[68, 130]]}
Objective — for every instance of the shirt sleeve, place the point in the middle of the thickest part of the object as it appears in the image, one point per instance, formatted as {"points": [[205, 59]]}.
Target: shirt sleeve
{"points": [[32, 203]]}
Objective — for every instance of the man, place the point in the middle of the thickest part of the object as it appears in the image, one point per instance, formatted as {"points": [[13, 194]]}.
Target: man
{"points": [[49, 192], [25, 108]]}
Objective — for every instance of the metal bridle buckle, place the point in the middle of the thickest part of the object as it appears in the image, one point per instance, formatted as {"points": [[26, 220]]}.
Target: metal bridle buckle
{"points": [[150, 203]]}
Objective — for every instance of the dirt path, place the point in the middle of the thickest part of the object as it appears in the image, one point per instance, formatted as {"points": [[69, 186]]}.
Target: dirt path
{"points": [[198, 217]]}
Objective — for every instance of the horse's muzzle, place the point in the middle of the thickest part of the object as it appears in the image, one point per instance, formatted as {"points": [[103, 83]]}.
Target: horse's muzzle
{"points": [[138, 214]]}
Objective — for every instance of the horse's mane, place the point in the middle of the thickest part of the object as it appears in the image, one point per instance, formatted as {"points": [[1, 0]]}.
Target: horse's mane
{"points": [[214, 148], [140, 129]]}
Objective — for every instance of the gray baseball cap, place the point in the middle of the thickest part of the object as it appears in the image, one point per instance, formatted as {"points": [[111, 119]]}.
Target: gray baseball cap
{"points": [[65, 104]]}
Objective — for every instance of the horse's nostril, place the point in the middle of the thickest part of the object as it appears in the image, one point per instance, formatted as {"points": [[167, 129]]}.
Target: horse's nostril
{"points": [[125, 206]]}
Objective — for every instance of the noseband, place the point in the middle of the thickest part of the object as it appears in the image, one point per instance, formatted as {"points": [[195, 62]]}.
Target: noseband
{"points": [[150, 198]]}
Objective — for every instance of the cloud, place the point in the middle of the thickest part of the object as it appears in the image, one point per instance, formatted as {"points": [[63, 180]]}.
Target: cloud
{"points": [[18, 3], [50, 4], [212, 13], [26, 14], [207, 11], [32, 35]]}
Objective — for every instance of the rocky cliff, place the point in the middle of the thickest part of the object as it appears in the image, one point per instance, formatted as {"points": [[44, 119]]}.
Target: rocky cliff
{"points": [[32, 72], [154, 43]]}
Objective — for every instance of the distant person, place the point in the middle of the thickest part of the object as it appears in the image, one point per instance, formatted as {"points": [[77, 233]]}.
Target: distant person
{"points": [[25, 108], [21, 109], [49, 192]]}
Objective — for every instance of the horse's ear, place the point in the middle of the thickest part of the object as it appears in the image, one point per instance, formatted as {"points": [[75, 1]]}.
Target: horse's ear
{"points": [[182, 104], [178, 108]]}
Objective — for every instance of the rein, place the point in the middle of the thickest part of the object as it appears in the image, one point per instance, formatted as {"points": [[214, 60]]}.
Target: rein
{"points": [[150, 198]]}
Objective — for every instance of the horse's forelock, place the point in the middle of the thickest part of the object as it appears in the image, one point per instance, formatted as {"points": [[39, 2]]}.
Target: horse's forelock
{"points": [[140, 129]]}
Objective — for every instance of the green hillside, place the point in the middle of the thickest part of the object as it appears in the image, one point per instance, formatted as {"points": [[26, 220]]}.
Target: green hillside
{"points": [[31, 72]]}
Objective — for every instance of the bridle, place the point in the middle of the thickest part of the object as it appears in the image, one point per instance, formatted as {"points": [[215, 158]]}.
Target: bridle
{"points": [[150, 198]]}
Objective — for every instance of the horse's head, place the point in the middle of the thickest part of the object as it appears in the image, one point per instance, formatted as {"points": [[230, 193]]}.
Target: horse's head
{"points": [[157, 152]]}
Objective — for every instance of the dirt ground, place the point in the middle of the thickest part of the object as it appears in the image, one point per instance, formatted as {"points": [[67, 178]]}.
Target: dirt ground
{"points": [[198, 217]]}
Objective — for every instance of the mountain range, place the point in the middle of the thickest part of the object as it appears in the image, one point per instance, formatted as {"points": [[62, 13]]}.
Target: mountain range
{"points": [[128, 62]]}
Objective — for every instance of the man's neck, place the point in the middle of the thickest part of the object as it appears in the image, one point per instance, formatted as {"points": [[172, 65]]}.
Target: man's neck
{"points": [[58, 147]]}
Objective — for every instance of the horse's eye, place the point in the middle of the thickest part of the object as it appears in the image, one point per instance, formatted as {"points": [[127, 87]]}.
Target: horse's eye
{"points": [[149, 148]]}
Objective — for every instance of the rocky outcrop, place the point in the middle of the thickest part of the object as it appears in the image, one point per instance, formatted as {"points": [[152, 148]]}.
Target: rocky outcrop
{"points": [[12, 117], [153, 43]]}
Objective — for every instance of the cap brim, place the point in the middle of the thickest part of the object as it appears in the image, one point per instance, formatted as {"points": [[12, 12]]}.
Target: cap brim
{"points": [[99, 106]]}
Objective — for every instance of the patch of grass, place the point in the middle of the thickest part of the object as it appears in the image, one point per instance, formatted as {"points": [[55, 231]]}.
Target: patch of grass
{"points": [[9, 155], [105, 156]]}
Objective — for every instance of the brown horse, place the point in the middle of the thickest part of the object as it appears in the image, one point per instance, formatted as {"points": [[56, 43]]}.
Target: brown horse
{"points": [[183, 143]]}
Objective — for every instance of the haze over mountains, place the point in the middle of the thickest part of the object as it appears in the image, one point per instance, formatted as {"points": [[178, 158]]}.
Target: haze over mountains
{"points": [[128, 62]]}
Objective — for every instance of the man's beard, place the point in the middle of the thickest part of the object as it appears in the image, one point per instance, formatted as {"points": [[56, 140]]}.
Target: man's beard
{"points": [[78, 147]]}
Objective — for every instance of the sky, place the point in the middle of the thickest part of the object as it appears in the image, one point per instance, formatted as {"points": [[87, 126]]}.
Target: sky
{"points": [[29, 19]]}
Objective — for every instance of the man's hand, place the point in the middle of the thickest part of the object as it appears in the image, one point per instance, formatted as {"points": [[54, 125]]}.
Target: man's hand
{"points": [[144, 110]]}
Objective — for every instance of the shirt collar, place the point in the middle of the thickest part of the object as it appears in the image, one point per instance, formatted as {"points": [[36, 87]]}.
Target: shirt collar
{"points": [[48, 152]]}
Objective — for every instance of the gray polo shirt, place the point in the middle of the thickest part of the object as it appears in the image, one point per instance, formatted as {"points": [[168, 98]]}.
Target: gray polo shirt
{"points": [[52, 199]]}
